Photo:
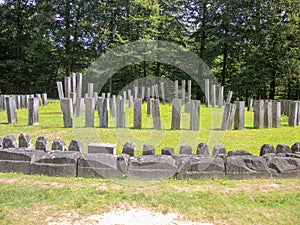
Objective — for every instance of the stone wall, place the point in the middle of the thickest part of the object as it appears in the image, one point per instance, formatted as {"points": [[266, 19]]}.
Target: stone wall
{"points": [[58, 159]]}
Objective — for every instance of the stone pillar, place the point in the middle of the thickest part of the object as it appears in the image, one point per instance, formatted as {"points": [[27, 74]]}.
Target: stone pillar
{"points": [[176, 113], [207, 95], [103, 112], [60, 90], [112, 106], [120, 112], [143, 93], [23, 105], [195, 115], [79, 106], [239, 117], [259, 113], [228, 116], [148, 93], [90, 90], [18, 103], [73, 81], [293, 116], [67, 83], [11, 109], [268, 114], [67, 109], [79, 85], [44, 99], [156, 114], [152, 91], [89, 111], [137, 121], [229, 96], [136, 89], [250, 105], [149, 106], [213, 95], [2, 103], [125, 97], [276, 111], [221, 96], [189, 90], [176, 89], [183, 91], [162, 90], [33, 111], [156, 91], [128, 94]]}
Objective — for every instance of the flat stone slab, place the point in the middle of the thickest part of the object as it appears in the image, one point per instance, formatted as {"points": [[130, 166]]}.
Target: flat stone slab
{"points": [[56, 163], [200, 167], [286, 166], [151, 167], [96, 147], [99, 165], [247, 167], [18, 160]]}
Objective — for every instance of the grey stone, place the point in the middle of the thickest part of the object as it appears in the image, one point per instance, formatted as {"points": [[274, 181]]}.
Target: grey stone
{"points": [[295, 147], [129, 148], [219, 150], [148, 93], [79, 85], [156, 114], [33, 111], [186, 150], [59, 144], [176, 113], [176, 89], [229, 96], [284, 167], [143, 93], [9, 141], [203, 149], [67, 109], [56, 163], [148, 149], [90, 90], [67, 84], [282, 148], [195, 115], [11, 110], [103, 112], [137, 121], [18, 160], [149, 106], [221, 96], [105, 166], [120, 112], [228, 116], [266, 148], [167, 151], [189, 90], [200, 167], [247, 167], [259, 112], [276, 111], [79, 107], [239, 116], [162, 90], [151, 167], [104, 148], [76, 145], [25, 141], [207, 95], [60, 90], [89, 112], [238, 153], [293, 115], [213, 95], [42, 143], [1, 143], [44, 99], [183, 91], [268, 114]]}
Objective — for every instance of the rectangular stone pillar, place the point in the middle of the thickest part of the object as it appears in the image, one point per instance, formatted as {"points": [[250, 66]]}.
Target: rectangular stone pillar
{"points": [[259, 112], [176, 113], [143, 93], [90, 90], [89, 111], [103, 112], [221, 96], [136, 89], [73, 81], [183, 91], [137, 121], [125, 97], [268, 114], [2, 103], [79, 85], [250, 105], [60, 90], [207, 94], [293, 114], [156, 114], [11, 110], [229, 96], [213, 95], [176, 89], [67, 83], [195, 115], [189, 90], [162, 90], [44, 99], [33, 111], [148, 93], [239, 117], [276, 111], [149, 106], [67, 110], [152, 91], [79, 107], [120, 112], [112, 106], [228, 116]]}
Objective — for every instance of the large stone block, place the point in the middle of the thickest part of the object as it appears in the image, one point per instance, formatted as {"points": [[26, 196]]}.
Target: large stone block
{"points": [[200, 167], [99, 165], [151, 167], [18, 160], [56, 163], [102, 148], [246, 167]]}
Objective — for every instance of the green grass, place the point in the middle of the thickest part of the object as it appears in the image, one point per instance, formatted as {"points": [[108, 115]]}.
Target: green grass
{"points": [[51, 125], [31, 199]]}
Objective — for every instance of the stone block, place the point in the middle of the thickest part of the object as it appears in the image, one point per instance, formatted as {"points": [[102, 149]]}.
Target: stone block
{"points": [[266, 148], [186, 150], [238, 153], [281, 148], [42, 143], [76, 146], [148, 149], [167, 151], [59, 144], [284, 167], [219, 150], [102, 148], [295, 147], [25, 141], [129, 148], [203, 149], [9, 141]]}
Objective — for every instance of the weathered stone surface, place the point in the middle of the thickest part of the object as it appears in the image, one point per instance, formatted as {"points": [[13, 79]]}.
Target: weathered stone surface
{"points": [[59, 144], [148, 149], [151, 167], [247, 166], [156, 114], [1, 143], [200, 167], [284, 167], [239, 116], [259, 112], [219, 150], [129, 148], [18, 160], [102, 148], [56, 163], [266, 148], [42, 143], [11, 109], [100, 165], [137, 121], [207, 95], [176, 113], [89, 112], [295, 147], [228, 116], [167, 151], [238, 153], [281, 148], [67, 109], [195, 115], [186, 150], [33, 111], [203, 149], [76, 145], [9, 141], [25, 141]]}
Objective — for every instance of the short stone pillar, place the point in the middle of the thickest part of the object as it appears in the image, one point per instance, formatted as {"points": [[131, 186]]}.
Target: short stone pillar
{"points": [[9, 141], [120, 112], [129, 148], [239, 116], [176, 113], [42, 143], [195, 115], [76, 145], [25, 141], [33, 111], [149, 106], [90, 90], [250, 105], [162, 90], [44, 99], [156, 114], [67, 110], [67, 84], [59, 144], [103, 112], [89, 111], [259, 113], [137, 121], [148, 150], [11, 110], [79, 107]]}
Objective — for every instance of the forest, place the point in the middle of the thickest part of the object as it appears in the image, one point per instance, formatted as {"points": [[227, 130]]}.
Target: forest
{"points": [[251, 46]]}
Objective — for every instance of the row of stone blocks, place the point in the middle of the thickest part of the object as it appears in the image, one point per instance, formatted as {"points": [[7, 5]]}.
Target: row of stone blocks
{"points": [[238, 164]]}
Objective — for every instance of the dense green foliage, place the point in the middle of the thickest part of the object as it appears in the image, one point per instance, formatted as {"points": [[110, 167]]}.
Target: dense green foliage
{"points": [[251, 46]]}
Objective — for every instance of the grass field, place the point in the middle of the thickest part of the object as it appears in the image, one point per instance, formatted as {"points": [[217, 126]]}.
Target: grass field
{"points": [[51, 125], [36, 199]]}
